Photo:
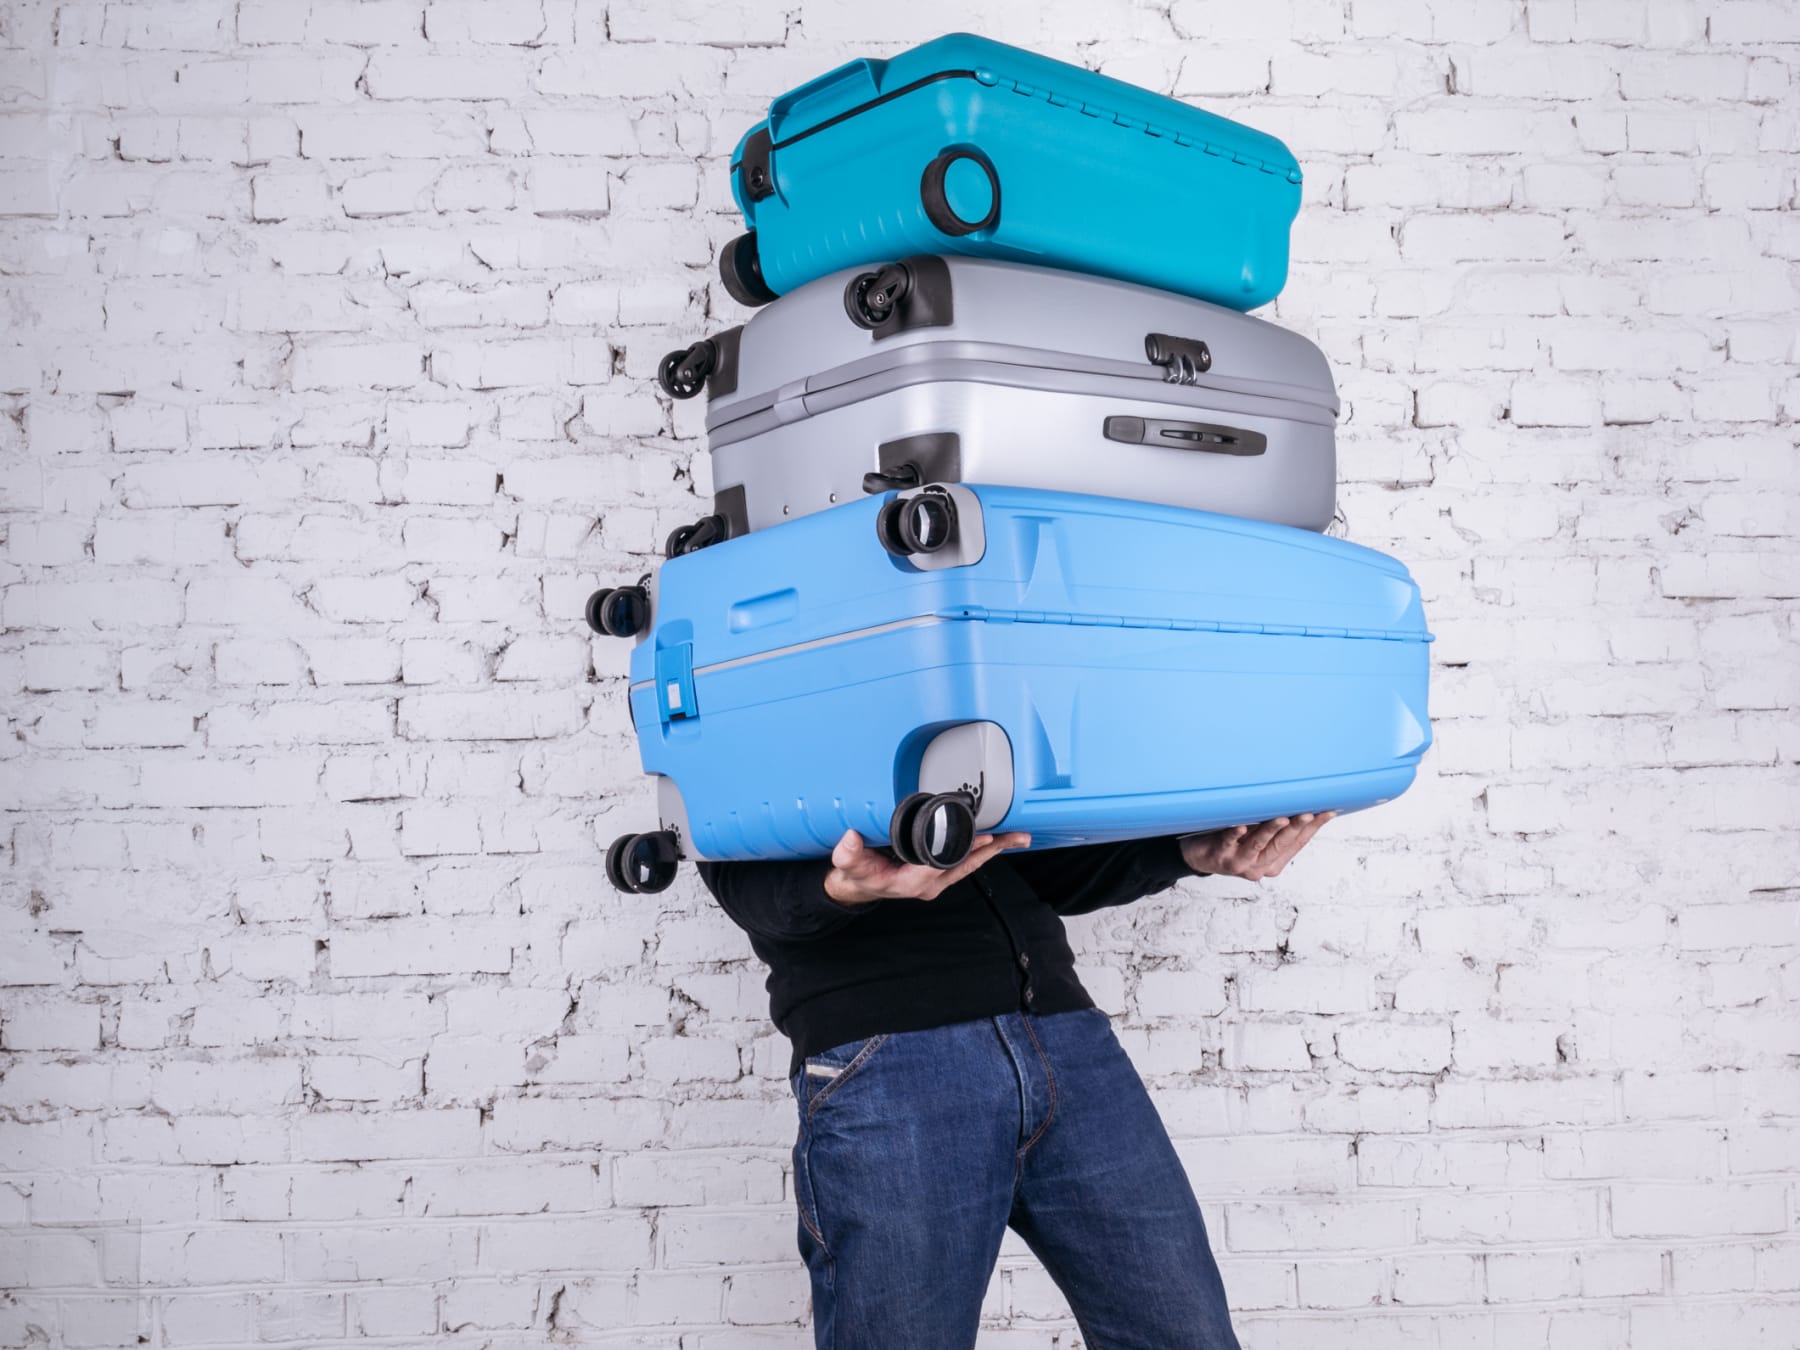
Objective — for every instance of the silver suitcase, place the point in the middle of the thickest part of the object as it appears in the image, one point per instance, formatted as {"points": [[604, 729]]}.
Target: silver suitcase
{"points": [[938, 369]]}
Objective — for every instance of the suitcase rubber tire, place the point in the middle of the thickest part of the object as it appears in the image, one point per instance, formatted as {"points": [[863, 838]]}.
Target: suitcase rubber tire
{"points": [[872, 298], [643, 864], [909, 526], [615, 865], [619, 611], [934, 194], [683, 374], [933, 830], [703, 533], [740, 268]]}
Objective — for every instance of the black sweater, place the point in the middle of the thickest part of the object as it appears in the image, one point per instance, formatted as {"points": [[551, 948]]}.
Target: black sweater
{"points": [[991, 944]]}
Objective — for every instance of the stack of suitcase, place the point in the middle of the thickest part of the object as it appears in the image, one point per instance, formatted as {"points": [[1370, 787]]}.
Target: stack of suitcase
{"points": [[1017, 514]]}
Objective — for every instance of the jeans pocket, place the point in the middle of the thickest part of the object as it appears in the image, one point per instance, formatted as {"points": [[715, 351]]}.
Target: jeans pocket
{"points": [[805, 1202], [824, 1075]]}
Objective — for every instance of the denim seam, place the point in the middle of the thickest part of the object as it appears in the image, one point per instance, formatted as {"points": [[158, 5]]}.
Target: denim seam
{"points": [[1050, 1086], [819, 1098], [812, 1226]]}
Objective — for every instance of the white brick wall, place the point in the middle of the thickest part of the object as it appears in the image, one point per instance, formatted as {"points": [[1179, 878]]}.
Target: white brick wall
{"points": [[326, 357]]}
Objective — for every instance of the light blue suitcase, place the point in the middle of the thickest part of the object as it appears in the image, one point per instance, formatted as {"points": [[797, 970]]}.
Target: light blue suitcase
{"points": [[970, 146], [950, 659]]}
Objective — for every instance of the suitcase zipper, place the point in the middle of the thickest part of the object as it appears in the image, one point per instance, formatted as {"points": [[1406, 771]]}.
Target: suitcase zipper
{"points": [[984, 614], [1016, 368]]}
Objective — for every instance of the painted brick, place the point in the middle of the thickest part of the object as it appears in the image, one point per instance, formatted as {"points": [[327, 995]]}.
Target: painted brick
{"points": [[330, 382]]}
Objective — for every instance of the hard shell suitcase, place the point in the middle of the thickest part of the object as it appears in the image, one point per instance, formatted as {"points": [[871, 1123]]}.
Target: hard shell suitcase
{"points": [[970, 146], [951, 659], [994, 372]]}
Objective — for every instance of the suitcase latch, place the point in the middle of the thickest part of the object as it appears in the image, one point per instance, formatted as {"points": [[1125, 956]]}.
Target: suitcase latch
{"points": [[1183, 360], [675, 682]]}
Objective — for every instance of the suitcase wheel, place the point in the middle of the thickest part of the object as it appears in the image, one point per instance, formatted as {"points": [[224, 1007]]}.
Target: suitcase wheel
{"points": [[908, 526], [703, 533], [872, 298], [904, 476], [740, 268], [933, 830], [960, 192], [643, 864], [682, 374], [619, 611]]}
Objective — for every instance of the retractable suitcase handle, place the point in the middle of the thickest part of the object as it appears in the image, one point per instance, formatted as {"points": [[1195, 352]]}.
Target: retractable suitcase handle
{"points": [[864, 72], [835, 95]]}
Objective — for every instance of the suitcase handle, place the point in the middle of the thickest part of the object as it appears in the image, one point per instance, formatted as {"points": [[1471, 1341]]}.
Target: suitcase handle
{"points": [[864, 72], [1208, 437]]}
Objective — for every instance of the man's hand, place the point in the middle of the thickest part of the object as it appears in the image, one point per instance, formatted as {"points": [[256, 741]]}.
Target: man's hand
{"points": [[860, 874], [1252, 851]]}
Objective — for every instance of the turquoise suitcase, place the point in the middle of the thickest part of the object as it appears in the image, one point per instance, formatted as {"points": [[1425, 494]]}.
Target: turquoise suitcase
{"points": [[970, 146]]}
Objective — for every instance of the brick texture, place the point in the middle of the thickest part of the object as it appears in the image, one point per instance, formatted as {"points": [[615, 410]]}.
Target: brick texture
{"points": [[330, 328]]}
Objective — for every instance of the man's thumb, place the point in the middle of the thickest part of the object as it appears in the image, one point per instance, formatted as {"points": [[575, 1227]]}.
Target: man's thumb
{"points": [[848, 850]]}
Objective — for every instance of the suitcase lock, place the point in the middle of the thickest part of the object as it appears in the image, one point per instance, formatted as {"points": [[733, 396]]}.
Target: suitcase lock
{"points": [[1183, 360], [675, 682]]}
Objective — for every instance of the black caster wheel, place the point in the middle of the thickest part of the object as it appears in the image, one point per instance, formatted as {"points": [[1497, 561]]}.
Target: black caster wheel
{"points": [[683, 373], [615, 864], [909, 526], [900, 828], [871, 298], [960, 173], [933, 830], [619, 611], [741, 270], [703, 533], [892, 480], [643, 864]]}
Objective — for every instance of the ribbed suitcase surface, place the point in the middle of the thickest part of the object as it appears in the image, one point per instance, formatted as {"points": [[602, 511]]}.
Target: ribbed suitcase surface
{"points": [[802, 681], [969, 146]]}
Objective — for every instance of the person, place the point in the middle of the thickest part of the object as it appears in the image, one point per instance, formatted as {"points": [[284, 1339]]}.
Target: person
{"points": [[954, 1079]]}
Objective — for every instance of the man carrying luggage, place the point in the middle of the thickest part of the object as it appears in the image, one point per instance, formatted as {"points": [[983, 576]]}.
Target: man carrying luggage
{"points": [[954, 1079]]}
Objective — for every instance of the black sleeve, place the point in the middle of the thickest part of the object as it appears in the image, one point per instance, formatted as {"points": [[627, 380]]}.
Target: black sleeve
{"points": [[1093, 876], [781, 900]]}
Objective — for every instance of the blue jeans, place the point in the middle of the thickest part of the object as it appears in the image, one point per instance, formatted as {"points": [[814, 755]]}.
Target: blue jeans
{"points": [[917, 1150]]}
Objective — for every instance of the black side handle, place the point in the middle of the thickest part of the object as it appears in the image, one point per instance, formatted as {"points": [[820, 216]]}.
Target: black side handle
{"points": [[1205, 436]]}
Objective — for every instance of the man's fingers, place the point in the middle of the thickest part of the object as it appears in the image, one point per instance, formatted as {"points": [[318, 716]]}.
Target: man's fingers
{"points": [[1259, 838], [1282, 852], [1298, 837], [978, 857], [1295, 827], [1222, 845], [1318, 823]]}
